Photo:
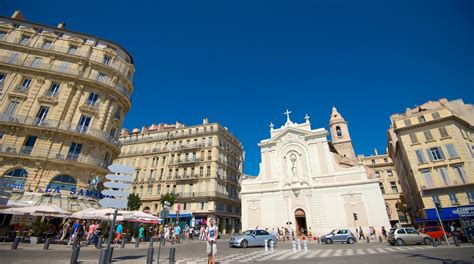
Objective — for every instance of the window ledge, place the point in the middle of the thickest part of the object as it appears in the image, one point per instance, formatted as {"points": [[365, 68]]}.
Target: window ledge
{"points": [[431, 140], [415, 144], [444, 138], [454, 158]]}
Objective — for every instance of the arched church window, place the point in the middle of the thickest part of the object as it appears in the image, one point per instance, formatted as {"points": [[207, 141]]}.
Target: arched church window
{"points": [[338, 132], [64, 182]]}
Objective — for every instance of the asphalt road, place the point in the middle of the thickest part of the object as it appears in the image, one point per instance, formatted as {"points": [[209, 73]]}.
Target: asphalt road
{"points": [[194, 252]]}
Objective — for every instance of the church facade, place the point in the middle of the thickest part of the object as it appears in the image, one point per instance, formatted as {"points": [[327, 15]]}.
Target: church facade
{"points": [[306, 182]]}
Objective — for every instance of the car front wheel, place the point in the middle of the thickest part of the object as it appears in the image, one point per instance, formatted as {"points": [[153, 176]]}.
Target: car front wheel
{"points": [[400, 242], [269, 242], [328, 241], [244, 244], [427, 241]]}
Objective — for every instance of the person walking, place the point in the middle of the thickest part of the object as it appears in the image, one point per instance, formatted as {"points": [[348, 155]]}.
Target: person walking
{"points": [[74, 230], [118, 233], [66, 229], [141, 234], [90, 232], [202, 235], [384, 232], [211, 235], [361, 233]]}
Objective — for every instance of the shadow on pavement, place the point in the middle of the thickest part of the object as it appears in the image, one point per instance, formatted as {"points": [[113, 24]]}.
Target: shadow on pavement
{"points": [[128, 257]]}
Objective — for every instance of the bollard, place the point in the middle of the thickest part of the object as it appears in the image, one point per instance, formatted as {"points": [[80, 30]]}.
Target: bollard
{"points": [[75, 255], [319, 240], [294, 246], [110, 254], [46, 244], [149, 256], [299, 244], [368, 239], [150, 244], [122, 244], [103, 256], [266, 244], [456, 241], [434, 243], [75, 243], [137, 242], [472, 239], [16, 242], [172, 255], [271, 246], [98, 245], [305, 245], [380, 239]]}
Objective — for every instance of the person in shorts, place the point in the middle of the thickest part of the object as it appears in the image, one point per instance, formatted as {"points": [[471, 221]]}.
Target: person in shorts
{"points": [[211, 236]]}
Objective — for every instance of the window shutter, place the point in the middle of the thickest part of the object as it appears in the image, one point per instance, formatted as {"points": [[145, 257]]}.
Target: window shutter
{"points": [[441, 152], [429, 154]]}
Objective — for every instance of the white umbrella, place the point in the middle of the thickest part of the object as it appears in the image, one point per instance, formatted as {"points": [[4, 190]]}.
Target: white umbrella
{"points": [[102, 214], [88, 214], [41, 210], [139, 215]]}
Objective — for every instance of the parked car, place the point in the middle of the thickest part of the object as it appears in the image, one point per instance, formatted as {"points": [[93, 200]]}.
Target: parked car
{"points": [[339, 235], [435, 232], [252, 238], [404, 236]]}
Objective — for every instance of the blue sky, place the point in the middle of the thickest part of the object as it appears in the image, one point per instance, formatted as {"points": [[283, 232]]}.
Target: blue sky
{"points": [[243, 63]]}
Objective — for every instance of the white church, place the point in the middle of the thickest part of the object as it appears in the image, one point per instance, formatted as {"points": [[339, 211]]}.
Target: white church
{"points": [[305, 182]]}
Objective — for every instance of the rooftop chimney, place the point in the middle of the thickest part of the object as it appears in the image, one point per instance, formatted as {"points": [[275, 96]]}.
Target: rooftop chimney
{"points": [[376, 152], [205, 121], [17, 15], [62, 25]]}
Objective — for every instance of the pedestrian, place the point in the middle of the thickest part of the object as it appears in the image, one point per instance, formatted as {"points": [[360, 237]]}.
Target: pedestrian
{"points": [[361, 233], [372, 232], [141, 234], [74, 230], [211, 235], [90, 232], [453, 229], [177, 232], [384, 232], [66, 229], [118, 233], [202, 235], [191, 233]]}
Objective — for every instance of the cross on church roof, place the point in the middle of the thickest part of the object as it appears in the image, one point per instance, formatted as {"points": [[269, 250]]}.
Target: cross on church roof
{"points": [[287, 113]]}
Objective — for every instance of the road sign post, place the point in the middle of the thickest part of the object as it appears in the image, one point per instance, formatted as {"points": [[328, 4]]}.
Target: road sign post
{"points": [[116, 196]]}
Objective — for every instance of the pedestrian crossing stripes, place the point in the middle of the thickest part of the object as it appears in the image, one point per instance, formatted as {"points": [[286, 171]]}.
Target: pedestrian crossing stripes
{"points": [[287, 254]]}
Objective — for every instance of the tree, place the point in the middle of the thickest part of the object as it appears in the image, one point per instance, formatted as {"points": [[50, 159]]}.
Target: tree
{"points": [[134, 202], [169, 197]]}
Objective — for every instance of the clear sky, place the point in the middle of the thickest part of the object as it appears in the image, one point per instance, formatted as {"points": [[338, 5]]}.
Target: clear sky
{"points": [[243, 63]]}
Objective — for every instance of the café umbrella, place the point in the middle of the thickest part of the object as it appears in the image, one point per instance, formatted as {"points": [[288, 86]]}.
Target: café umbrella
{"points": [[40, 210]]}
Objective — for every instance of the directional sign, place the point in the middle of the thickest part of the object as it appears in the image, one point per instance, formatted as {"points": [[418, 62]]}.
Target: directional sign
{"points": [[119, 186], [5, 190]]}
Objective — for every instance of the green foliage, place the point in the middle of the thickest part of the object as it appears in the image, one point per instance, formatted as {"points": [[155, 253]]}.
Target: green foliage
{"points": [[134, 202], [169, 197]]}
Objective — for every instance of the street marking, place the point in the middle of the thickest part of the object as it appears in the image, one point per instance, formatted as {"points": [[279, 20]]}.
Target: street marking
{"points": [[391, 249], [360, 251], [285, 255], [350, 252], [338, 252], [370, 251], [326, 253], [278, 253], [299, 255], [261, 254], [381, 250], [314, 253]]}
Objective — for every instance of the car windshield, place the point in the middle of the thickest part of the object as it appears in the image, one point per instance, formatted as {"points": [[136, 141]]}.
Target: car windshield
{"points": [[248, 232], [392, 230], [333, 231]]}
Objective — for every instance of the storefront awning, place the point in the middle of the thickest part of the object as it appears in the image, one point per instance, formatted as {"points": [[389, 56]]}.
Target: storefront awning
{"points": [[449, 213], [180, 216]]}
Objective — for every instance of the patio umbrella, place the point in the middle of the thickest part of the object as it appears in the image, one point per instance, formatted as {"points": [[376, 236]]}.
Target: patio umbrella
{"points": [[88, 214], [102, 214], [139, 215], [41, 210]]}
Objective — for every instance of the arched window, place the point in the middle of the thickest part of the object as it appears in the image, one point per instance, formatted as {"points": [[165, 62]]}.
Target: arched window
{"points": [[64, 182], [338, 131], [18, 175]]}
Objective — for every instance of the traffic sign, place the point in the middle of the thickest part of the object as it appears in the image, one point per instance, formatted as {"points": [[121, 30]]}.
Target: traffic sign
{"points": [[119, 186]]}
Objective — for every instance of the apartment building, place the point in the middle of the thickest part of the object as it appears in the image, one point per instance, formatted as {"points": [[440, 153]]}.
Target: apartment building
{"points": [[432, 149], [63, 98], [201, 164], [385, 172]]}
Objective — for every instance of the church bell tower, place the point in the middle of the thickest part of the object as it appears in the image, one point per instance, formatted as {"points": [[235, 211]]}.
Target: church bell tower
{"points": [[341, 139]]}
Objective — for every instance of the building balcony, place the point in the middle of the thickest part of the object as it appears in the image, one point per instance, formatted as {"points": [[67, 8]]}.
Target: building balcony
{"points": [[58, 125], [31, 152], [67, 71], [117, 64]]}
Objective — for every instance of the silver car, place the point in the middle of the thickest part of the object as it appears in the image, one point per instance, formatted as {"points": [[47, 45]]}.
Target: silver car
{"points": [[404, 236], [339, 235], [252, 238]]}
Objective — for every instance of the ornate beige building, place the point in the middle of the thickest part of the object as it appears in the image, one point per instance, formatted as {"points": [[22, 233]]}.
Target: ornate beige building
{"points": [[63, 98], [202, 164], [432, 148], [385, 173]]}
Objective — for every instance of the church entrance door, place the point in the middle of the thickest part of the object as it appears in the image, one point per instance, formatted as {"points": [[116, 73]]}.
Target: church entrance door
{"points": [[300, 220]]}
